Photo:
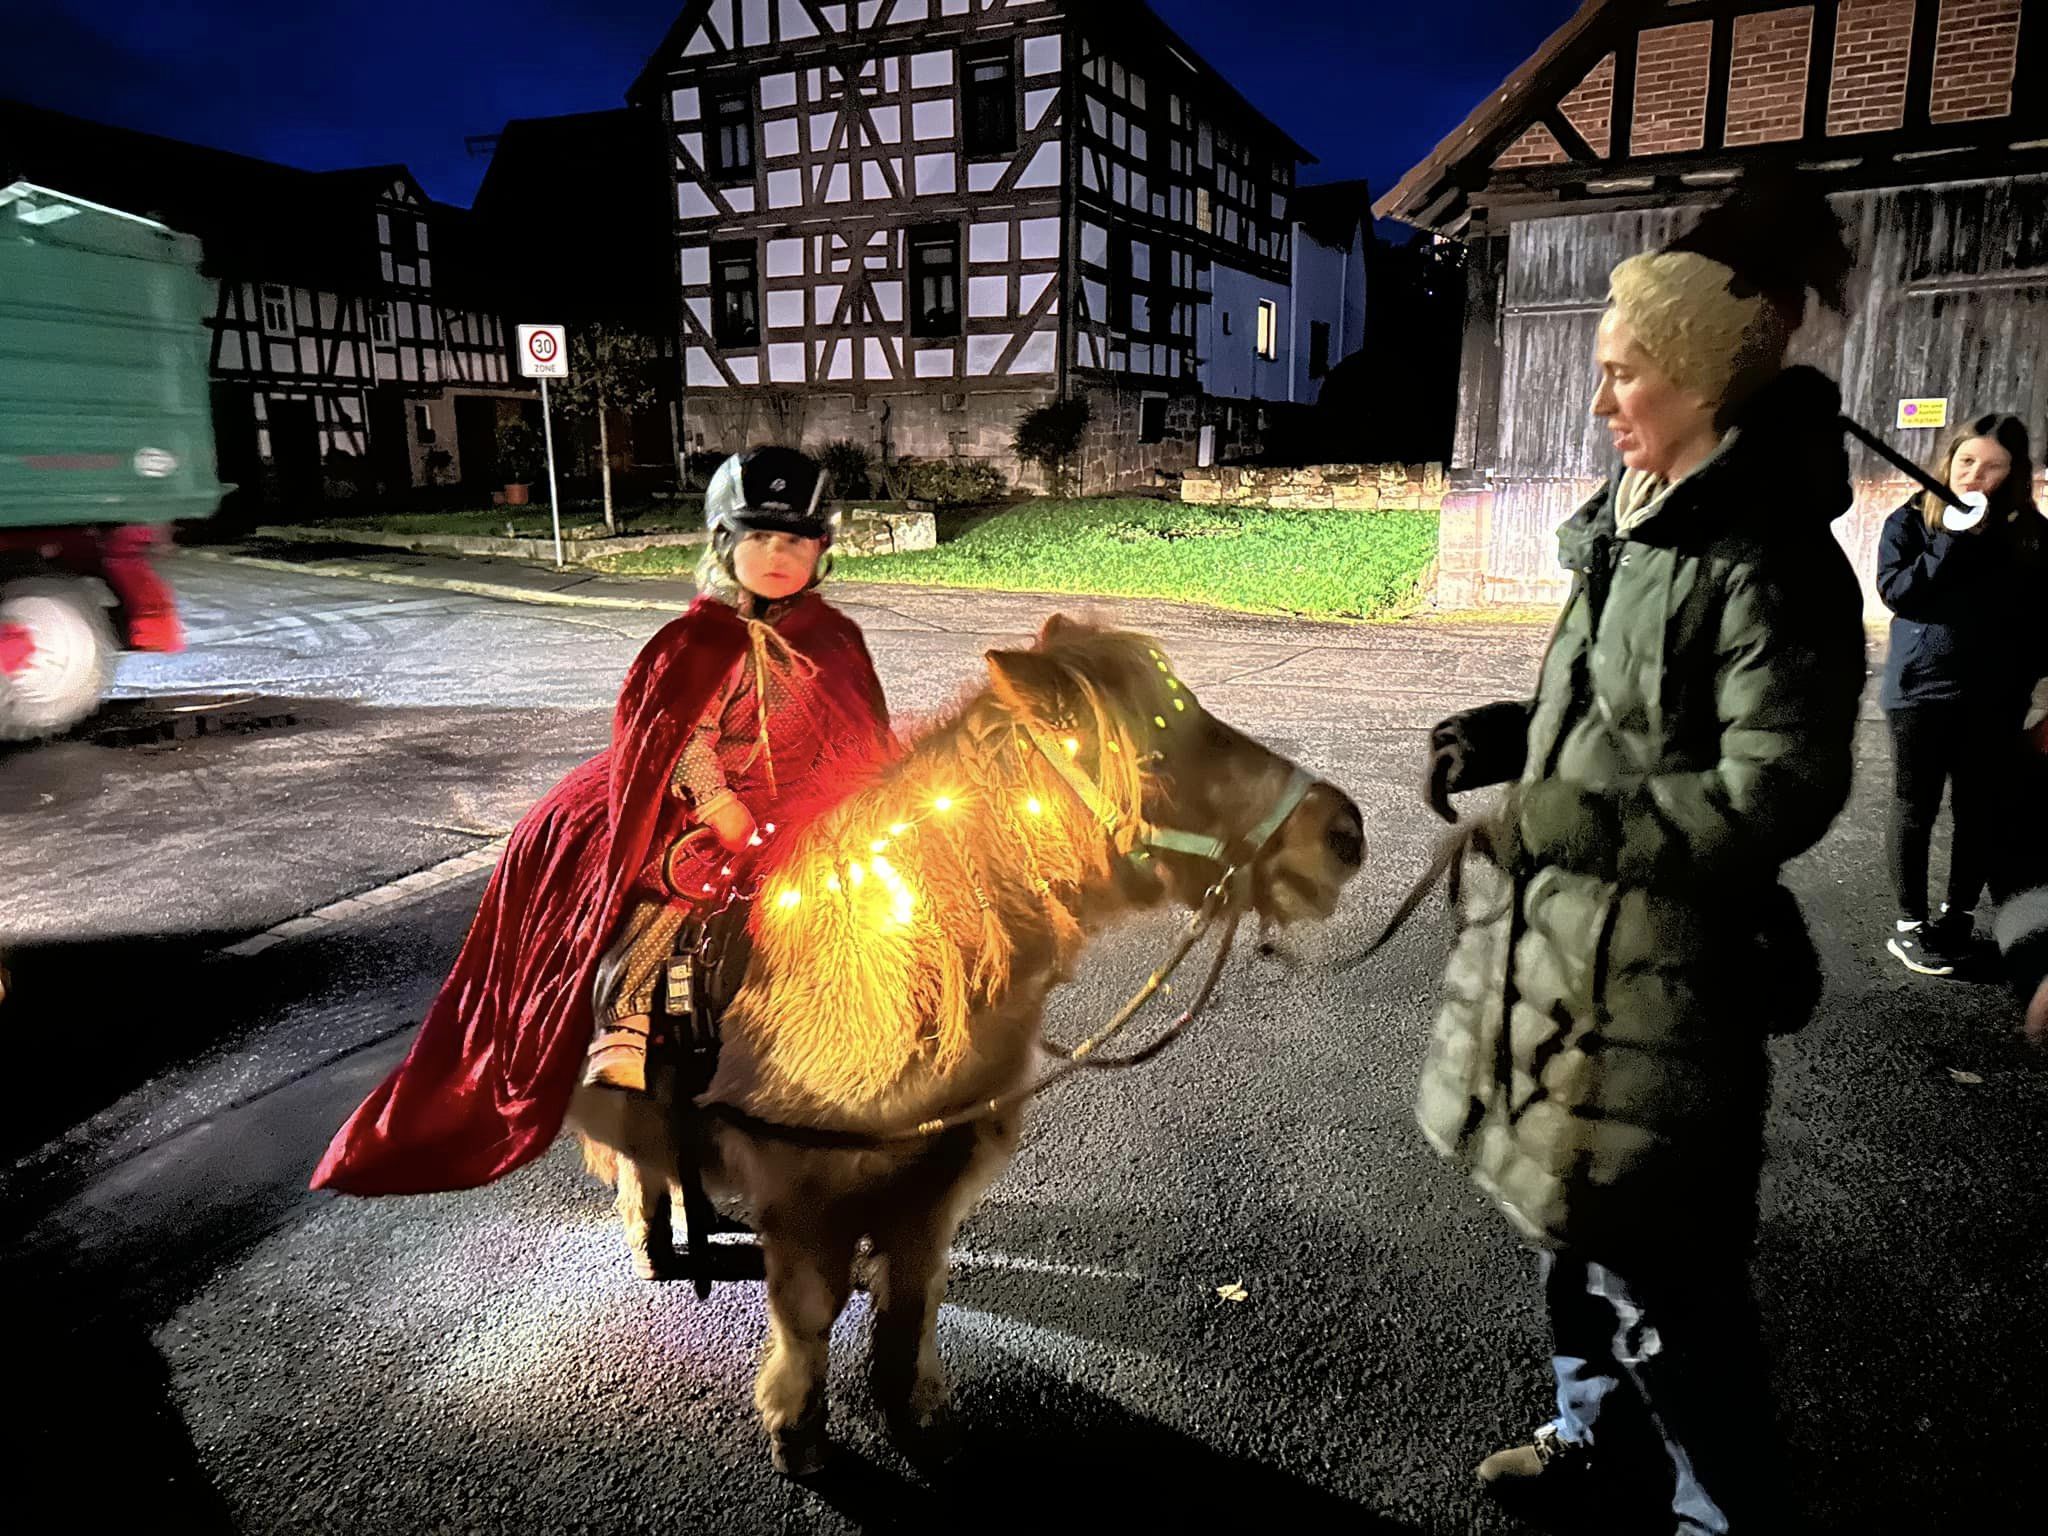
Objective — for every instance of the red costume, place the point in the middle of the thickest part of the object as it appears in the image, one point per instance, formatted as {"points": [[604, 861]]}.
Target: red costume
{"points": [[487, 1083]]}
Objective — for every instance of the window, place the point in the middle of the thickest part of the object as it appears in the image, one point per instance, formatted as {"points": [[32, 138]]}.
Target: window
{"points": [[989, 101], [1318, 348], [1152, 419], [1269, 329], [1120, 281], [1226, 322], [729, 135], [735, 295], [424, 423], [380, 324], [277, 310], [935, 280]]}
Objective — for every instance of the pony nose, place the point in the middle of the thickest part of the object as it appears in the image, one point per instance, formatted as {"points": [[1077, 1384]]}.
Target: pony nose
{"points": [[1345, 835]]}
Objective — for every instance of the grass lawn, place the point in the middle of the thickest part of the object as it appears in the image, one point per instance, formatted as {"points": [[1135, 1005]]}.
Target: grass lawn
{"points": [[1328, 565]]}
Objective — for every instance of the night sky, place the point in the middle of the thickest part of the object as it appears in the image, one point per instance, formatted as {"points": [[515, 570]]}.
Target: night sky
{"points": [[1368, 86]]}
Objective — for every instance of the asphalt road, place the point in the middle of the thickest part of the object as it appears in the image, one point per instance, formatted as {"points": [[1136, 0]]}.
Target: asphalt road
{"points": [[207, 1345]]}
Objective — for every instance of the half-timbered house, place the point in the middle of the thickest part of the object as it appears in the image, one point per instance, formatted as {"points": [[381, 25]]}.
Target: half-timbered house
{"points": [[1927, 120], [355, 337], [906, 222]]}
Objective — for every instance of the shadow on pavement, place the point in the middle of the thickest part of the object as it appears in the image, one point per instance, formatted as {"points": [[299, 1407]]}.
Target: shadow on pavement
{"points": [[1042, 1453]]}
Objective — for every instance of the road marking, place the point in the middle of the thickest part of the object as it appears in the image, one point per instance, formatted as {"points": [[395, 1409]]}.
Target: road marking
{"points": [[384, 899]]}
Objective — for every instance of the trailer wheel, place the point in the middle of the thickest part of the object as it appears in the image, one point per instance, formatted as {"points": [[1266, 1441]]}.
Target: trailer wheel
{"points": [[59, 676]]}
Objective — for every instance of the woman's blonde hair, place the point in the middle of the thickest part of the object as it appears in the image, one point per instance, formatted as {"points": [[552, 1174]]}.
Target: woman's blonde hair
{"points": [[2015, 495]]}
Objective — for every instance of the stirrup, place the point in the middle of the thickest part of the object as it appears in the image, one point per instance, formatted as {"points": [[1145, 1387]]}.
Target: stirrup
{"points": [[618, 1056]]}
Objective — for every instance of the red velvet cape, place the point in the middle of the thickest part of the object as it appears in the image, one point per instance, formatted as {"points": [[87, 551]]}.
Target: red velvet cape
{"points": [[487, 1083]]}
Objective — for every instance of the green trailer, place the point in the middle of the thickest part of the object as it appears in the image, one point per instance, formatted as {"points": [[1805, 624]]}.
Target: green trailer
{"points": [[106, 436]]}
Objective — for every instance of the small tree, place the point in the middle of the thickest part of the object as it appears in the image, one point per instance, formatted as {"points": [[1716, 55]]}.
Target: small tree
{"points": [[1051, 435], [520, 453], [609, 370]]}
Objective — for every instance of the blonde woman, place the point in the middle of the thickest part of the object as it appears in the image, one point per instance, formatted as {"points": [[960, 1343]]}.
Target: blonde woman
{"points": [[1599, 1065], [1966, 650]]}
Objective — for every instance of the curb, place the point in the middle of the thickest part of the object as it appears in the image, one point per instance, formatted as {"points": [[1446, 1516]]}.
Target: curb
{"points": [[497, 590], [385, 898]]}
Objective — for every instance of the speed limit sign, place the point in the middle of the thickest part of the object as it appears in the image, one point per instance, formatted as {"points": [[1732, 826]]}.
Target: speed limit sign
{"points": [[543, 352]]}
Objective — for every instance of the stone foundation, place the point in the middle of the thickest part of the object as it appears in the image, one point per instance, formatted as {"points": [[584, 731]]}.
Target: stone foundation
{"points": [[890, 426], [1336, 487]]}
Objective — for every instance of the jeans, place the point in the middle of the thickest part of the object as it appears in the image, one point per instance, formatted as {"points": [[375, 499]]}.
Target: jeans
{"points": [[1971, 752], [1676, 1341]]}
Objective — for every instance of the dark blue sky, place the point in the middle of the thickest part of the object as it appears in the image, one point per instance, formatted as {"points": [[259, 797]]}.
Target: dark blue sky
{"points": [[1369, 85]]}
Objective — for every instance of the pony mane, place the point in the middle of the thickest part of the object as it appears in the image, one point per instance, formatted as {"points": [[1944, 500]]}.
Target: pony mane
{"points": [[887, 922]]}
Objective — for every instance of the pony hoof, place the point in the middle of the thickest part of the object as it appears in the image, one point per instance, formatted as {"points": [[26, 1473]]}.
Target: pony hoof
{"points": [[799, 1448], [929, 1439]]}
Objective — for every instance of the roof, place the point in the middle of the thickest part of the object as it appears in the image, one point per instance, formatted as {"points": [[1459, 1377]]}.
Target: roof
{"points": [[577, 209], [251, 215], [1561, 63], [1333, 213], [1135, 17]]}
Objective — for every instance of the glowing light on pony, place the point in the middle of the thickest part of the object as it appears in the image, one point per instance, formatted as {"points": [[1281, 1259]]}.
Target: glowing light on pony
{"points": [[910, 901]]}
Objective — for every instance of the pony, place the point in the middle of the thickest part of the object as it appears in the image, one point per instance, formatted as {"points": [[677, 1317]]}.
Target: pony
{"points": [[902, 946]]}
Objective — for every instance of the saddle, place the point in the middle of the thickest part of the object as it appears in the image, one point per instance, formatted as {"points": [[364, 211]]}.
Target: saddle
{"points": [[701, 977]]}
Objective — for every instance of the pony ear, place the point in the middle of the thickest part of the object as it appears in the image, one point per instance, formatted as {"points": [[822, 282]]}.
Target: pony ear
{"points": [[1057, 625], [1034, 682]]}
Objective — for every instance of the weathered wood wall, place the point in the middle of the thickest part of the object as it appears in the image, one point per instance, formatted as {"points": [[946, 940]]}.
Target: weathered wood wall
{"points": [[1950, 298]]}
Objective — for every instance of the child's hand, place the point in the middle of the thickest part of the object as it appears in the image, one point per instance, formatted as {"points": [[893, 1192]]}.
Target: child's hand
{"points": [[733, 823]]}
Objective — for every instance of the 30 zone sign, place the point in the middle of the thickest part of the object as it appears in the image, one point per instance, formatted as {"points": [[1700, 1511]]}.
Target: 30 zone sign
{"points": [[543, 352]]}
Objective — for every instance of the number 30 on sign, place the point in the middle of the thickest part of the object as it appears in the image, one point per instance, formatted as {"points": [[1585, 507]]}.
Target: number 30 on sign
{"points": [[543, 352]]}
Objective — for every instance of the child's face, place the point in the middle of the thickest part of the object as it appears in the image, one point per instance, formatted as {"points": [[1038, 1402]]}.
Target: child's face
{"points": [[776, 565]]}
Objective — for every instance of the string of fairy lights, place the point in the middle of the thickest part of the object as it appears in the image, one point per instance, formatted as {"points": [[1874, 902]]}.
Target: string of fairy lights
{"points": [[899, 907]]}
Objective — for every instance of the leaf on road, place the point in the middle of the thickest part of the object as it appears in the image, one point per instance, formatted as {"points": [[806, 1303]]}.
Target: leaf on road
{"points": [[1233, 1292], [1967, 1079]]}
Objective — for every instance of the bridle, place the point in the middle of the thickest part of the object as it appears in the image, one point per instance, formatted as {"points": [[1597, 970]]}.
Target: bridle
{"points": [[1227, 898]]}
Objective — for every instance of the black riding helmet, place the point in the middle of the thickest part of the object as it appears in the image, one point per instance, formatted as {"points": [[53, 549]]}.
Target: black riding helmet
{"points": [[770, 490]]}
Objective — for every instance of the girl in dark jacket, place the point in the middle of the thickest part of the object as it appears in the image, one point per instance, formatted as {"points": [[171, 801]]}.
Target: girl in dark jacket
{"points": [[1965, 654]]}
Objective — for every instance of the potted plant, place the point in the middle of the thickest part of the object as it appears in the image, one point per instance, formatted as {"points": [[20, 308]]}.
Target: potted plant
{"points": [[519, 458]]}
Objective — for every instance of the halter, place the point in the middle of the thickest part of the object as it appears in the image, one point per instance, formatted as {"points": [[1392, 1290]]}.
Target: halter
{"points": [[1230, 856]]}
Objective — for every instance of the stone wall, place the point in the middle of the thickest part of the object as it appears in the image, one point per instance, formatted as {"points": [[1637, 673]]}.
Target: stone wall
{"points": [[1340, 487], [901, 426], [885, 531]]}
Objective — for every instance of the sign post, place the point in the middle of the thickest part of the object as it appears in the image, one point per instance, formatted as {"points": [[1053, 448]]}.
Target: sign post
{"points": [[544, 355]]}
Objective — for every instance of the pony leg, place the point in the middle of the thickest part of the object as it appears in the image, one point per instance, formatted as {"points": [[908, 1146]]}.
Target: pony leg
{"points": [[643, 1207], [908, 1285], [810, 1275]]}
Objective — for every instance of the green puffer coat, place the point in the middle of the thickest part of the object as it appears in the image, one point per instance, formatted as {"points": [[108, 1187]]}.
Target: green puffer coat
{"points": [[1599, 1063]]}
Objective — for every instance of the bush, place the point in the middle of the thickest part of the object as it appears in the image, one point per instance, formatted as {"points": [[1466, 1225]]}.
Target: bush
{"points": [[949, 482], [521, 454], [847, 463], [1051, 435]]}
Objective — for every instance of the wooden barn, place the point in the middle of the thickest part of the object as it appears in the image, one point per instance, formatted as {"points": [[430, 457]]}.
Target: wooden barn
{"points": [[1927, 121]]}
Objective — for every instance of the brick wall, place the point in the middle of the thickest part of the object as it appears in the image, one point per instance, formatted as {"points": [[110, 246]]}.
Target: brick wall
{"points": [[1538, 146], [1671, 88], [1976, 51], [1767, 76], [1873, 44], [1590, 107]]}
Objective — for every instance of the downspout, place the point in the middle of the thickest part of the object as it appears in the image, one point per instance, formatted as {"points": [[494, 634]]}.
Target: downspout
{"points": [[1293, 313]]}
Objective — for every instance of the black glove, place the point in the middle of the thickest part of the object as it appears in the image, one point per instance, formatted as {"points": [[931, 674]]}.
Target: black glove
{"points": [[1475, 750]]}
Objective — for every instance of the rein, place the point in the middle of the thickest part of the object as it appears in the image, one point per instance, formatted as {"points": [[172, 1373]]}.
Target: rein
{"points": [[1228, 895]]}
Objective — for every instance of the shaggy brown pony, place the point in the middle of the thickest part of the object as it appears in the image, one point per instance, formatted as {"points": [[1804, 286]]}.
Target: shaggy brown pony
{"points": [[902, 949]]}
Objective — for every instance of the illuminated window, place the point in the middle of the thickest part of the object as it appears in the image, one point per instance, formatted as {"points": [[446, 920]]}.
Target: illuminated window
{"points": [[1269, 329]]}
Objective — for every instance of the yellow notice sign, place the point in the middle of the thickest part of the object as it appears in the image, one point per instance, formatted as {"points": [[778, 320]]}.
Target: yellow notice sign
{"points": [[1922, 413]]}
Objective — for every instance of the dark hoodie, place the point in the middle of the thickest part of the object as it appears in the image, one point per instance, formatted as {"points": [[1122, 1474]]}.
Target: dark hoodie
{"points": [[1968, 624]]}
